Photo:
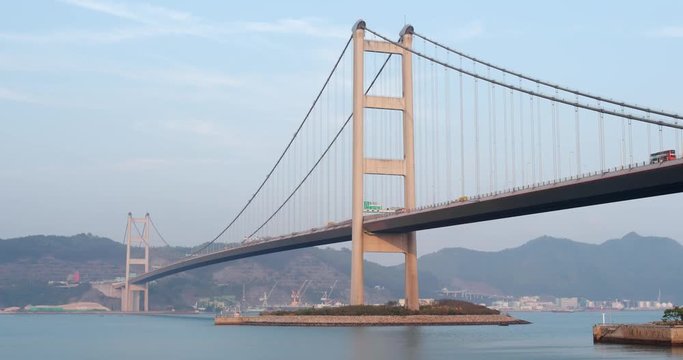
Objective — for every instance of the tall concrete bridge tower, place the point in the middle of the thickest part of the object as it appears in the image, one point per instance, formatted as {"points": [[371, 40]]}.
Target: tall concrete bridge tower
{"points": [[137, 241], [362, 240]]}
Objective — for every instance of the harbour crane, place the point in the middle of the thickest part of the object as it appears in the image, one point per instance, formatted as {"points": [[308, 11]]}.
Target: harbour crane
{"points": [[298, 294], [266, 296], [327, 296]]}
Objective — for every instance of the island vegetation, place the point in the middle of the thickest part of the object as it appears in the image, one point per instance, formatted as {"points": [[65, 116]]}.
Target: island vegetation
{"points": [[439, 307], [673, 316]]}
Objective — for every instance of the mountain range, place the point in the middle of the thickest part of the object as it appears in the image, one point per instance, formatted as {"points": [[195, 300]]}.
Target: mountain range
{"points": [[632, 267]]}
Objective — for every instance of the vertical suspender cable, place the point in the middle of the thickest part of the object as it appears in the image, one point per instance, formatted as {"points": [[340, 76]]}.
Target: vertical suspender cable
{"points": [[328, 216], [630, 142], [540, 136], [435, 139], [476, 130], [533, 140], [512, 138], [462, 137], [521, 128], [506, 136], [578, 140], [649, 137], [559, 147], [623, 140], [552, 109], [425, 127], [449, 172], [490, 113], [495, 142], [601, 134]]}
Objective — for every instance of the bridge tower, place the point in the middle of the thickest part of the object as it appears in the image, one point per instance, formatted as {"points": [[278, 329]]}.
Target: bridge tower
{"points": [[132, 294], [362, 240]]}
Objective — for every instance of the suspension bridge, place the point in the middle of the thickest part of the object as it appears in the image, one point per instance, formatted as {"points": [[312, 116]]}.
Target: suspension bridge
{"points": [[408, 134]]}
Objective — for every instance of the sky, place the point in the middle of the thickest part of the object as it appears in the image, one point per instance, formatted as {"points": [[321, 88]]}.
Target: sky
{"points": [[179, 108]]}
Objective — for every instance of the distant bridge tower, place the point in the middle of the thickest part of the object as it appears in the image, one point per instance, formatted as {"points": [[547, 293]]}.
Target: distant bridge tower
{"points": [[364, 241], [137, 238]]}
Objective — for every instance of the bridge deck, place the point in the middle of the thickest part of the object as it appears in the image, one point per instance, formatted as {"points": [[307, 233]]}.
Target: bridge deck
{"points": [[618, 185]]}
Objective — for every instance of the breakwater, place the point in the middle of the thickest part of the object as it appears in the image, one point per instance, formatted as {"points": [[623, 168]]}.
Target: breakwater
{"points": [[644, 334]]}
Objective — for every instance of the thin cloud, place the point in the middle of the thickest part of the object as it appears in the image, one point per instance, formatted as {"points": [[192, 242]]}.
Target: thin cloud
{"points": [[668, 32], [142, 164], [155, 21], [15, 96], [469, 31], [42, 100], [208, 132], [184, 76], [110, 36], [310, 27], [196, 127], [139, 12]]}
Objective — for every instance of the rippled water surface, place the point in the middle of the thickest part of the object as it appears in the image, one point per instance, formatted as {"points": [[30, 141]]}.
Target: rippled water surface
{"points": [[551, 336]]}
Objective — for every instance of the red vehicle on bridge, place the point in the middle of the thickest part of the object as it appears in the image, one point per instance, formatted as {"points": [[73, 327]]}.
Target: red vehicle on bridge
{"points": [[662, 156]]}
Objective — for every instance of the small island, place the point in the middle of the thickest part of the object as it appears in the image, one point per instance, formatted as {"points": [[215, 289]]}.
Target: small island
{"points": [[441, 312], [667, 332]]}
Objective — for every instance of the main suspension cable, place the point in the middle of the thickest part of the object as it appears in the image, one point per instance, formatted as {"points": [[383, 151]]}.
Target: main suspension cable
{"points": [[674, 125], [282, 155], [549, 84], [157, 231]]}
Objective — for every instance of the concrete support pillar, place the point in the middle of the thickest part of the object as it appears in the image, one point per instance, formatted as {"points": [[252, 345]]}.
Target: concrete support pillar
{"points": [[136, 301], [125, 292], [411, 283], [146, 300], [357, 289]]}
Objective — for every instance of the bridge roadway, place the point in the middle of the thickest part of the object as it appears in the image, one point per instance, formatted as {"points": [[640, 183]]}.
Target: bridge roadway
{"points": [[598, 188]]}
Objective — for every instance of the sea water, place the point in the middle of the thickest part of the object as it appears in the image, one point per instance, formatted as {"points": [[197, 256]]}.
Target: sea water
{"points": [[114, 336]]}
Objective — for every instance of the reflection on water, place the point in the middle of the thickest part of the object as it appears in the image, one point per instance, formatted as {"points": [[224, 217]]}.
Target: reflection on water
{"points": [[551, 336], [400, 343], [644, 350]]}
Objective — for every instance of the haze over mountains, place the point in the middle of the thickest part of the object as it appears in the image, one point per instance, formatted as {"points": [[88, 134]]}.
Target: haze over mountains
{"points": [[633, 267]]}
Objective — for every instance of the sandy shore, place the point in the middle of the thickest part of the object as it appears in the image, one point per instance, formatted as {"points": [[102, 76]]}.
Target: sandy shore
{"points": [[300, 320]]}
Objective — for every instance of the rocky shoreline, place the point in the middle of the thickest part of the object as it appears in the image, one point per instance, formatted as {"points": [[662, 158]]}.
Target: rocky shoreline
{"points": [[369, 320]]}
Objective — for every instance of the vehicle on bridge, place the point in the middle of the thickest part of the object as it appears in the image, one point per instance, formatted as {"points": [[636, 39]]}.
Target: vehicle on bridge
{"points": [[371, 207], [255, 239], [662, 156]]}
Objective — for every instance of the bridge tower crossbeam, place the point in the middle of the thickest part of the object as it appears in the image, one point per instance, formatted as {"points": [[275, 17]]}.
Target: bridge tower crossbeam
{"points": [[364, 241]]}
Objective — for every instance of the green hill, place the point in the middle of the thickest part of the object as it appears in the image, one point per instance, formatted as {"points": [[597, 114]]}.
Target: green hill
{"points": [[633, 267]]}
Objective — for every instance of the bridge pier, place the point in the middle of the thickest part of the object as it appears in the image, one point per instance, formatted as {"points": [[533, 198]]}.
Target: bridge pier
{"points": [[362, 240]]}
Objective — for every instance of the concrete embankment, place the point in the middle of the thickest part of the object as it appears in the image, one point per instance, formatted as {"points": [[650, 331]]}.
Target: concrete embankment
{"points": [[645, 334], [314, 320]]}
